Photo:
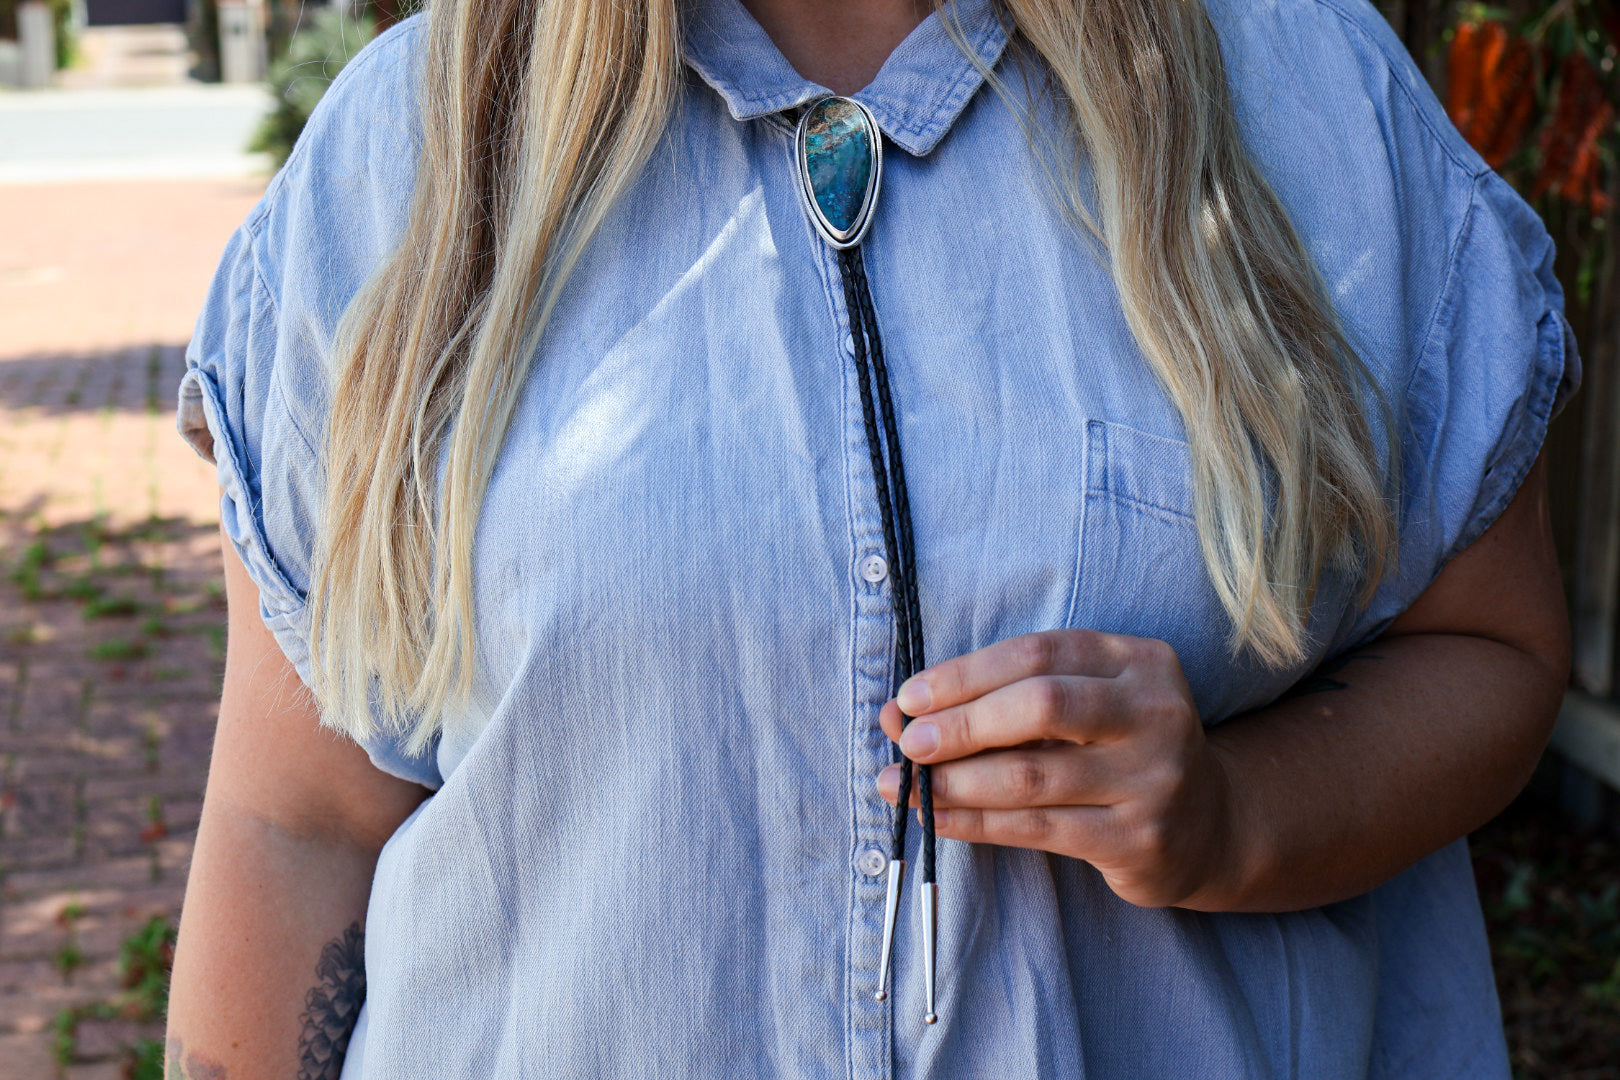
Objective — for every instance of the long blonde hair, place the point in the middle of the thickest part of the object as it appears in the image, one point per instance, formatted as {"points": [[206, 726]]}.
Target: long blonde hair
{"points": [[538, 114]]}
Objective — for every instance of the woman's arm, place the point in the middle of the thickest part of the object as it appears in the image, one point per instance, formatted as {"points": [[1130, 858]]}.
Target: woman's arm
{"points": [[268, 971], [1089, 744]]}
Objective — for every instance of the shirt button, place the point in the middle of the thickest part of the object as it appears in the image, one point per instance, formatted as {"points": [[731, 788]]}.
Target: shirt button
{"points": [[849, 344], [874, 568], [873, 862]]}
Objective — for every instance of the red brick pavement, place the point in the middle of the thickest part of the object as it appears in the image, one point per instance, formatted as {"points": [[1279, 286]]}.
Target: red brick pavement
{"points": [[111, 612]]}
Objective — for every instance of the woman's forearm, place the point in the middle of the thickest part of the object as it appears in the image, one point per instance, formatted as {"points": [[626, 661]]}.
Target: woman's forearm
{"points": [[1397, 750], [269, 969]]}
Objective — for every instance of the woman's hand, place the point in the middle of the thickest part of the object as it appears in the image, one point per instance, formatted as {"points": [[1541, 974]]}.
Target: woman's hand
{"points": [[1075, 742]]}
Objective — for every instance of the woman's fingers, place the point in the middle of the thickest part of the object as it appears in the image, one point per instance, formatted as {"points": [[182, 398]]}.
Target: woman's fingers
{"points": [[1050, 652], [1064, 775], [1047, 707], [1084, 832]]}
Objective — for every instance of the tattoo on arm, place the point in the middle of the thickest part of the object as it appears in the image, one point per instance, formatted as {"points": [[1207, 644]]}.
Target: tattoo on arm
{"points": [[1321, 680], [192, 1066], [332, 1006], [330, 1010]]}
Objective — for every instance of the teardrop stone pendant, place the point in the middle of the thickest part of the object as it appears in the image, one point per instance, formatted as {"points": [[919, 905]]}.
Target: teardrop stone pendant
{"points": [[840, 166]]}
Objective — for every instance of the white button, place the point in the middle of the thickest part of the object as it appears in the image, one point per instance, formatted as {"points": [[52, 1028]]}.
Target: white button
{"points": [[873, 862], [874, 568], [849, 344]]}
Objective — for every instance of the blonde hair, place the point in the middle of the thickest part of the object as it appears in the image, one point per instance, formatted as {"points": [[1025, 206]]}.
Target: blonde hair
{"points": [[536, 116]]}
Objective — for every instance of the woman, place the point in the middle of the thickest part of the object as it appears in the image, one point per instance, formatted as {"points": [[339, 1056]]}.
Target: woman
{"points": [[605, 480]]}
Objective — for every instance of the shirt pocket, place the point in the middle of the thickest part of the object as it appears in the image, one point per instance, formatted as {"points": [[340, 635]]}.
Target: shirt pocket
{"points": [[1140, 566]]}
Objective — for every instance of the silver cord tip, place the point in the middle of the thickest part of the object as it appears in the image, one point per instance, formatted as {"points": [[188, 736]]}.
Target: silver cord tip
{"points": [[891, 911], [928, 895]]}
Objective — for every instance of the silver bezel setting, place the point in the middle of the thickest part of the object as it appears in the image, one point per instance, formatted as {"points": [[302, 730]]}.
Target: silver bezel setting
{"points": [[841, 240]]}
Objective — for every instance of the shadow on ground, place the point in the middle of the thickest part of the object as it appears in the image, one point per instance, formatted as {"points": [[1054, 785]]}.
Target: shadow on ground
{"points": [[138, 378]]}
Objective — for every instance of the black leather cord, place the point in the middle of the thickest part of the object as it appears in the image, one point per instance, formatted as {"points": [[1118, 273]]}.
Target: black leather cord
{"points": [[894, 506]]}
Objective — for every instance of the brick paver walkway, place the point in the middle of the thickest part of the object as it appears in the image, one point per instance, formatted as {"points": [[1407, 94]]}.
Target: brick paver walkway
{"points": [[111, 614]]}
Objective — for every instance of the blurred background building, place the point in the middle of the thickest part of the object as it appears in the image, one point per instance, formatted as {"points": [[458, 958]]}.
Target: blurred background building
{"points": [[136, 134]]}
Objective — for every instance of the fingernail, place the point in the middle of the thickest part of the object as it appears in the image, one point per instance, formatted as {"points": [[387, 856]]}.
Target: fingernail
{"points": [[888, 782], [919, 739], [942, 819], [914, 697]]}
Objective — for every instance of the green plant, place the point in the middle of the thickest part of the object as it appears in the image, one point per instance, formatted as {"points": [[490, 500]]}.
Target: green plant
{"points": [[216, 642], [151, 744], [156, 827], [65, 1036], [202, 32], [315, 55], [118, 649], [26, 574], [65, 1029], [67, 35], [144, 959], [83, 589], [144, 1060], [104, 606], [68, 958]]}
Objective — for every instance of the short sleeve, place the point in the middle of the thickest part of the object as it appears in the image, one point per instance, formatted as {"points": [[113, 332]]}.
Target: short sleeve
{"points": [[1499, 361], [253, 394]]}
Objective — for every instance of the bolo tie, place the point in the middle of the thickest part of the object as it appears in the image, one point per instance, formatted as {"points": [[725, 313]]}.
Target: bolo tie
{"points": [[840, 163]]}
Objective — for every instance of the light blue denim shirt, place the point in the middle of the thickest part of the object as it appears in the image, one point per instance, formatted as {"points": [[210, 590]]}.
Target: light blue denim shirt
{"points": [[655, 846]]}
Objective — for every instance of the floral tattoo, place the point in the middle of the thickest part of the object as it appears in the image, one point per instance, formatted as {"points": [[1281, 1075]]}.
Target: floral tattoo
{"points": [[333, 1006]]}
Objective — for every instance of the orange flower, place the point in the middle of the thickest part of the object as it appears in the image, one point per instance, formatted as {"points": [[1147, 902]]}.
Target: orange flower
{"points": [[1465, 69], [1584, 184], [1579, 95], [1491, 91], [1508, 102]]}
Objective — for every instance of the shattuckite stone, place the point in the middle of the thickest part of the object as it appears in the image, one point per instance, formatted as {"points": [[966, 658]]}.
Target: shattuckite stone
{"points": [[838, 157]]}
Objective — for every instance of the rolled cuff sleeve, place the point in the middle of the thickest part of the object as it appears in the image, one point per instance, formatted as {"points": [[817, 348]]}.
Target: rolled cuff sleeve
{"points": [[1499, 362], [226, 412]]}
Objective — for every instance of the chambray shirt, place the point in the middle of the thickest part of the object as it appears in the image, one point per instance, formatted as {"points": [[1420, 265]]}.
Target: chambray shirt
{"points": [[655, 847]]}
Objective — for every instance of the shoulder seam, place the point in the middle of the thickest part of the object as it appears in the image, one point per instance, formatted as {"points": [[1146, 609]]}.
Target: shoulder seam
{"points": [[367, 57], [1417, 109], [379, 46]]}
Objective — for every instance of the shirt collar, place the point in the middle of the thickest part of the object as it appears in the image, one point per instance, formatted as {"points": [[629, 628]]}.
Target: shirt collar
{"points": [[916, 97]]}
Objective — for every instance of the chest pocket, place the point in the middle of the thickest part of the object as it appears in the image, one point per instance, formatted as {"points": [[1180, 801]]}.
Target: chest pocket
{"points": [[1140, 567]]}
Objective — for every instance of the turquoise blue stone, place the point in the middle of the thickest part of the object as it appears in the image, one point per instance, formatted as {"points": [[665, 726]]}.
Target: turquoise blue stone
{"points": [[838, 158]]}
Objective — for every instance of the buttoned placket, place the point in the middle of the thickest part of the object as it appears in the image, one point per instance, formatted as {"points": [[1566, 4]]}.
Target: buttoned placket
{"points": [[915, 106], [869, 1029], [870, 1023]]}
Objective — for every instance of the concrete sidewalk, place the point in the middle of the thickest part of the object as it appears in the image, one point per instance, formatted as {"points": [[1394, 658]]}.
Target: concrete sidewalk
{"points": [[129, 110], [182, 132]]}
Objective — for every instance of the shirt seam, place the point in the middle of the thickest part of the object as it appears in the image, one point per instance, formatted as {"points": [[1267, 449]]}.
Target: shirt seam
{"points": [[1439, 138], [383, 44], [262, 283], [1432, 334]]}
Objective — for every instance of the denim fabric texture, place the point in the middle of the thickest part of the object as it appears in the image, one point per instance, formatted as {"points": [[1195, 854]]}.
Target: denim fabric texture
{"points": [[646, 853]]}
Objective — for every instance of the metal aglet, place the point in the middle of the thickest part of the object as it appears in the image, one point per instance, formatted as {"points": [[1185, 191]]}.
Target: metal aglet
{"points": [[891, 911], [928, 895]]}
